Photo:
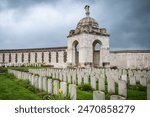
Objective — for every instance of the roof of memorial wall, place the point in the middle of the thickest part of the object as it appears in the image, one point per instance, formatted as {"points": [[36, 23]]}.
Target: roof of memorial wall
{"points": [[130, 51], [34, 49]]}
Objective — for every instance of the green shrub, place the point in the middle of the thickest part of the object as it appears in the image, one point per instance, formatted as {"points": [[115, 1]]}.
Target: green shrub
{"points": [[137, 87], [85, 87], [56, 97]]}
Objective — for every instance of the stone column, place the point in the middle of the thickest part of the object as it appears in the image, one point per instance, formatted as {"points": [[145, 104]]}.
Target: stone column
{"points": [[98, 95]]}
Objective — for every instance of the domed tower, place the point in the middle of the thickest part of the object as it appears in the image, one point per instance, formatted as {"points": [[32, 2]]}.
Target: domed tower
{"points": [[82, 43]]}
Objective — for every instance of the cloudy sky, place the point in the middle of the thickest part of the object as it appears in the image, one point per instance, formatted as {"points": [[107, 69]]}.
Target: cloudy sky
{"points": [[46, 23]]}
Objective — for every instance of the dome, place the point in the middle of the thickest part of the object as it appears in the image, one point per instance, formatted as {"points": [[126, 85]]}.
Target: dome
{"points": [[87, 21], [88, 25]]}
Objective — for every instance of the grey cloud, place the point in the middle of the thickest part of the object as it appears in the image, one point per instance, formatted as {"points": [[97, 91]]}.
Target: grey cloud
{"points": [[127, 21]]}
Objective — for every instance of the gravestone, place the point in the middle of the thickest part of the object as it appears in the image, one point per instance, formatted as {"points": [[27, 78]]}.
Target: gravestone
{"points": [[79, 79], [122, 88], [93, 82], [124, 77], [98, 95], [72, 91], [132, 80], [143, 81], [63, 87], [86, 79], [74, 78], [69, 77], [55, 86], [111, 86], [148, 90], [101, 84], [45, 84], [50, 86], [117, 97], [40, 83]]}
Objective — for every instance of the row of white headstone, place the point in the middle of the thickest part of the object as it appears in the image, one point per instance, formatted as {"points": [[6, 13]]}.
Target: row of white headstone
{"points": [[80, 76], [77, 76], [71, 76], [48, 85]]}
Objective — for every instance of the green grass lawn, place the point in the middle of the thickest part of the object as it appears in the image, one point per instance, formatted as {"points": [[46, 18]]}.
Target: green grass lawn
{"points": [[136, 92], [10, 89]]}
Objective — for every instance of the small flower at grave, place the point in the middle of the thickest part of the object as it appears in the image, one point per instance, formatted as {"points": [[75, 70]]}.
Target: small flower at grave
{"points": [[59, 91], [54, 84]]}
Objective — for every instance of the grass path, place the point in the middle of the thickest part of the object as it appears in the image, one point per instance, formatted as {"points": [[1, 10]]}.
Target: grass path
{"points": [[11, 90]]}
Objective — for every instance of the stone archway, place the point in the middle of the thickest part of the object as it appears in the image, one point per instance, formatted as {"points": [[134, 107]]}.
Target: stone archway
{"points": [[96, 52], [75, 56]]}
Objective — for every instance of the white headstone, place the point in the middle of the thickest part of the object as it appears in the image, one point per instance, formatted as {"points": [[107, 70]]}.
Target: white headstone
{"points": [[63, 87], [55, 86], [117, 97], [40, 83], [101, 84], [122, 88], [111, 86], [148, 90], [143, 81], [45, 84], [132, 80], [93, 82], [79, 79], [72, 91], [98, 95], [50, 86]]}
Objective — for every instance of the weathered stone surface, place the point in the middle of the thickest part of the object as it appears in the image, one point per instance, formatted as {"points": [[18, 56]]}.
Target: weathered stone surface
{"points": [[148, 90], [98, 95], [117, 97], [143, 81], [122, 87], [93, 82], [111, 86], [63, 87], [132, 80], [50, 85], [72, 91], [101, 84], [55, 86], [45, 88]]}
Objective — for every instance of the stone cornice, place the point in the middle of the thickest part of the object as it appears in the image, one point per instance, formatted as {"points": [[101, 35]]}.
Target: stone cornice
{"points": [[33, 50]]}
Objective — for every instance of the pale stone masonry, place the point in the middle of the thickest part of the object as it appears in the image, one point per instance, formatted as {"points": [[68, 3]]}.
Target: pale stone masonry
{"points": [[85, 36]]}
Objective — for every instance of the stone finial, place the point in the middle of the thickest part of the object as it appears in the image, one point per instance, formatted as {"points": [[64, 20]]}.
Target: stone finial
{"points": [[87, 11]]}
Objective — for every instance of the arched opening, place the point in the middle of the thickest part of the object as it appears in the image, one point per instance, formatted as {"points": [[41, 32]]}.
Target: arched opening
{"points": [[96, 53], [75, 53]]}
